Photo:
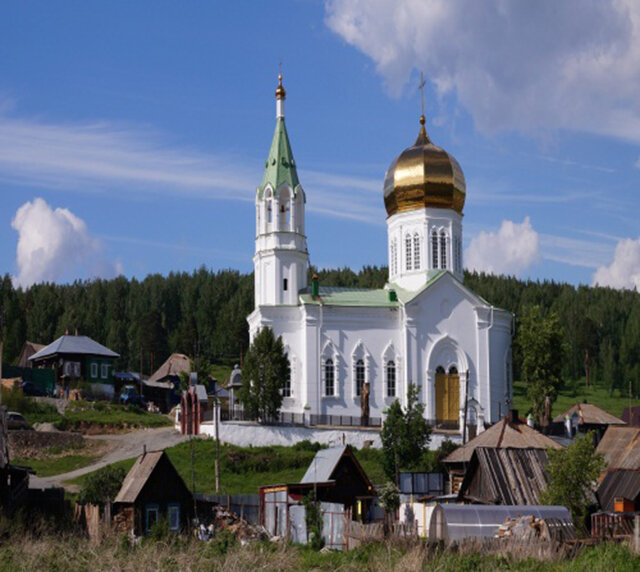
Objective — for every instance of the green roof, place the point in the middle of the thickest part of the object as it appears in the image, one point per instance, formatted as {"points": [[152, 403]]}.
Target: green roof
{"points": [[280, 166], [335, 296]]}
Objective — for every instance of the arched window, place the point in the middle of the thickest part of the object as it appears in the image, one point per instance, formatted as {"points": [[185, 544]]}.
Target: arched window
{"points": [[416, 251], [443, 250], [394, 257], [453, 370], [391, 379], [269, 211], [408, 257], [440, 369], [329, 378], [434, 250], [360, 376]]}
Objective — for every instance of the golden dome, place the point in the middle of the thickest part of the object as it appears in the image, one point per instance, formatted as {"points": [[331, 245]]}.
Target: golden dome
{"points": [[424, 175], [280, 92]]}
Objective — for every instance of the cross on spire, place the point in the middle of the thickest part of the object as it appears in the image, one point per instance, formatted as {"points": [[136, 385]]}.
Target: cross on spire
{"points": [[421, 88]]}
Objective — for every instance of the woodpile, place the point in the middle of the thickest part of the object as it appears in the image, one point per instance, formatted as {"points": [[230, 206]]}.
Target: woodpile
{"points": [[240, 528]]}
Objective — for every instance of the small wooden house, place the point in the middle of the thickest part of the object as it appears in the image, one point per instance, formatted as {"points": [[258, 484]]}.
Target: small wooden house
{"points": [[152, 490]]}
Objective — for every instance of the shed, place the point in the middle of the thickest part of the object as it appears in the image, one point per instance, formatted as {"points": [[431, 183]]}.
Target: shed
{"points": [[510, 432], [337, 481], [153, 489], [620, 491], [163, 386], [621, 448], [584, 417], [28, 349], [455, 522], [505, 476]]}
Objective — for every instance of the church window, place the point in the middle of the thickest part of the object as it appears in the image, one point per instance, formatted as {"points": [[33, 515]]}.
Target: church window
{"points": [[359, 376], [440, 369], [329, 378], [394, 257], [286, 386], [416, 251], [443, 250], [408, 257], [284, 284], [459, 253], [391, 379], [434, 250], [269, 212], [453, 370]]}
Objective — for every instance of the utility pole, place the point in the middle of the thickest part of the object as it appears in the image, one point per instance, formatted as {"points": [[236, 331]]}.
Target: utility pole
{"points": [[216, 413]]}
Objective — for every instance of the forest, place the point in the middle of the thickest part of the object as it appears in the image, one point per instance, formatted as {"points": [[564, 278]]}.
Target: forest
{"points": [[203, 314]]}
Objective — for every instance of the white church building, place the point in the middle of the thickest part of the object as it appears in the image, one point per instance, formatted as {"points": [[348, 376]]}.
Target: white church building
{"points": [[424, 327]]}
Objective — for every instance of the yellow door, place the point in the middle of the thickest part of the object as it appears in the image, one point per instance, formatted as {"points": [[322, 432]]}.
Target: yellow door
{"points": [[447, 399]]}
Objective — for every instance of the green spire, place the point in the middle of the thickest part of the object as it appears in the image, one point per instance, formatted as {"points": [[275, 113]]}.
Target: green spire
{"points": [[280, 166]]}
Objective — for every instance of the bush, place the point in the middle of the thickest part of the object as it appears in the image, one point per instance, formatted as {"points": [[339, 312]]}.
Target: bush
{"points": [[307, 445], [102, 486]]}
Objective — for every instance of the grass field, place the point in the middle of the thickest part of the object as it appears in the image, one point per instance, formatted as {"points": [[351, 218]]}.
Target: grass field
{"points": [[572, 394], [243, 470], [47, 466]]}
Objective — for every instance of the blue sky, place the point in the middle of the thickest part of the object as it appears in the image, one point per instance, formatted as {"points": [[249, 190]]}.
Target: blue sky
{"points": [[143, 128]]}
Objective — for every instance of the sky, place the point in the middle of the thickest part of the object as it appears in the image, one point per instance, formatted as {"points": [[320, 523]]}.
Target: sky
{"points": [[133, 134]]}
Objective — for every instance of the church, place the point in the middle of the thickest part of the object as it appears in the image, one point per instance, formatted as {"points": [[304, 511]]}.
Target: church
{"points": [[354, 349]]}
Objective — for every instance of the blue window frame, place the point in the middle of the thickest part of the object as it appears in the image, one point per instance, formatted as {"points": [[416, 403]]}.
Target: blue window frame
{"points": [[173, 516], [151, 515]]}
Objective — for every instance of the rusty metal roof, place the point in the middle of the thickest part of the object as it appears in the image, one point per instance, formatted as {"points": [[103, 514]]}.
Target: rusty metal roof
{"points": [[618, 483], [590, 414], [621, 447], [504, 434], [511, 476]]}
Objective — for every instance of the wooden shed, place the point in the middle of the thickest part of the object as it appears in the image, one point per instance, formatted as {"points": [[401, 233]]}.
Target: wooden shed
{"points": [[152, 490]]}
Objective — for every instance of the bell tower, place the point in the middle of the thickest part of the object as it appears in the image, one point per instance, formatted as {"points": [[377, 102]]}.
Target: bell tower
{"points": [[281, 258]]}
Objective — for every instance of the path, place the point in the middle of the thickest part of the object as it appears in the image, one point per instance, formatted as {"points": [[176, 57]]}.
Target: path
{"points": [[122, 446]]}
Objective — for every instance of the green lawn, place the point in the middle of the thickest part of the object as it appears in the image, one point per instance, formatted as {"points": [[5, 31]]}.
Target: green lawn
{"points": [[569, 396], [108, 414], [243, 470], [47, 466]]}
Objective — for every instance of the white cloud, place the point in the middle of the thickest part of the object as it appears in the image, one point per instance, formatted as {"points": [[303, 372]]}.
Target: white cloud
{"points": [[624, 270], [56, 244], [100, 156], [509, 251], [526, 66]]}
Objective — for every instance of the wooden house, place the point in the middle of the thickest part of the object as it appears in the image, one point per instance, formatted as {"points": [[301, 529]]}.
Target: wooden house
{"points": [[582, 418], [152, 490], [510, 432]]}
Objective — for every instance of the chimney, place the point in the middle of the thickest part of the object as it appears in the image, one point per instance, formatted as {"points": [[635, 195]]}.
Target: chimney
{"points": [[144, 450], [315, 286], [512, 416]]}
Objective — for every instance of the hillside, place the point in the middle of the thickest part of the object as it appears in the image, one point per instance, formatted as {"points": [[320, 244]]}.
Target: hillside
{"points": [[204, 314]]}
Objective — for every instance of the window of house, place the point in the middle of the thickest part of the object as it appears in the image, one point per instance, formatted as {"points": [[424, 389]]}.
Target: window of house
{"points": [[286, 387], [104, 371], [329, 378], [151, 515], [408, 257], [173, 516], [416, 252], [443, 250], [284, 284], [94, 370], [394, 257], [391, 379], [359, 376], [434, 250]]}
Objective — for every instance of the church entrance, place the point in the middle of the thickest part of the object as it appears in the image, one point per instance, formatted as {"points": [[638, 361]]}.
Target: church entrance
{"points": [[447, 398]]}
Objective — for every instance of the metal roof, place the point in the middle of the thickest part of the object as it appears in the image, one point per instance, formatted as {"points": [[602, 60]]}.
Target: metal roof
{"points": [[509, 476], [323, 464], [621, 447], [137, 477], [504, 434], [590, 414], [618, 483], [74, 345]]}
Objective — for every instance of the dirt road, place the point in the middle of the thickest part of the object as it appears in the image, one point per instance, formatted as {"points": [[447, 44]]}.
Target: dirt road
{"points": [[123, 446]]}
